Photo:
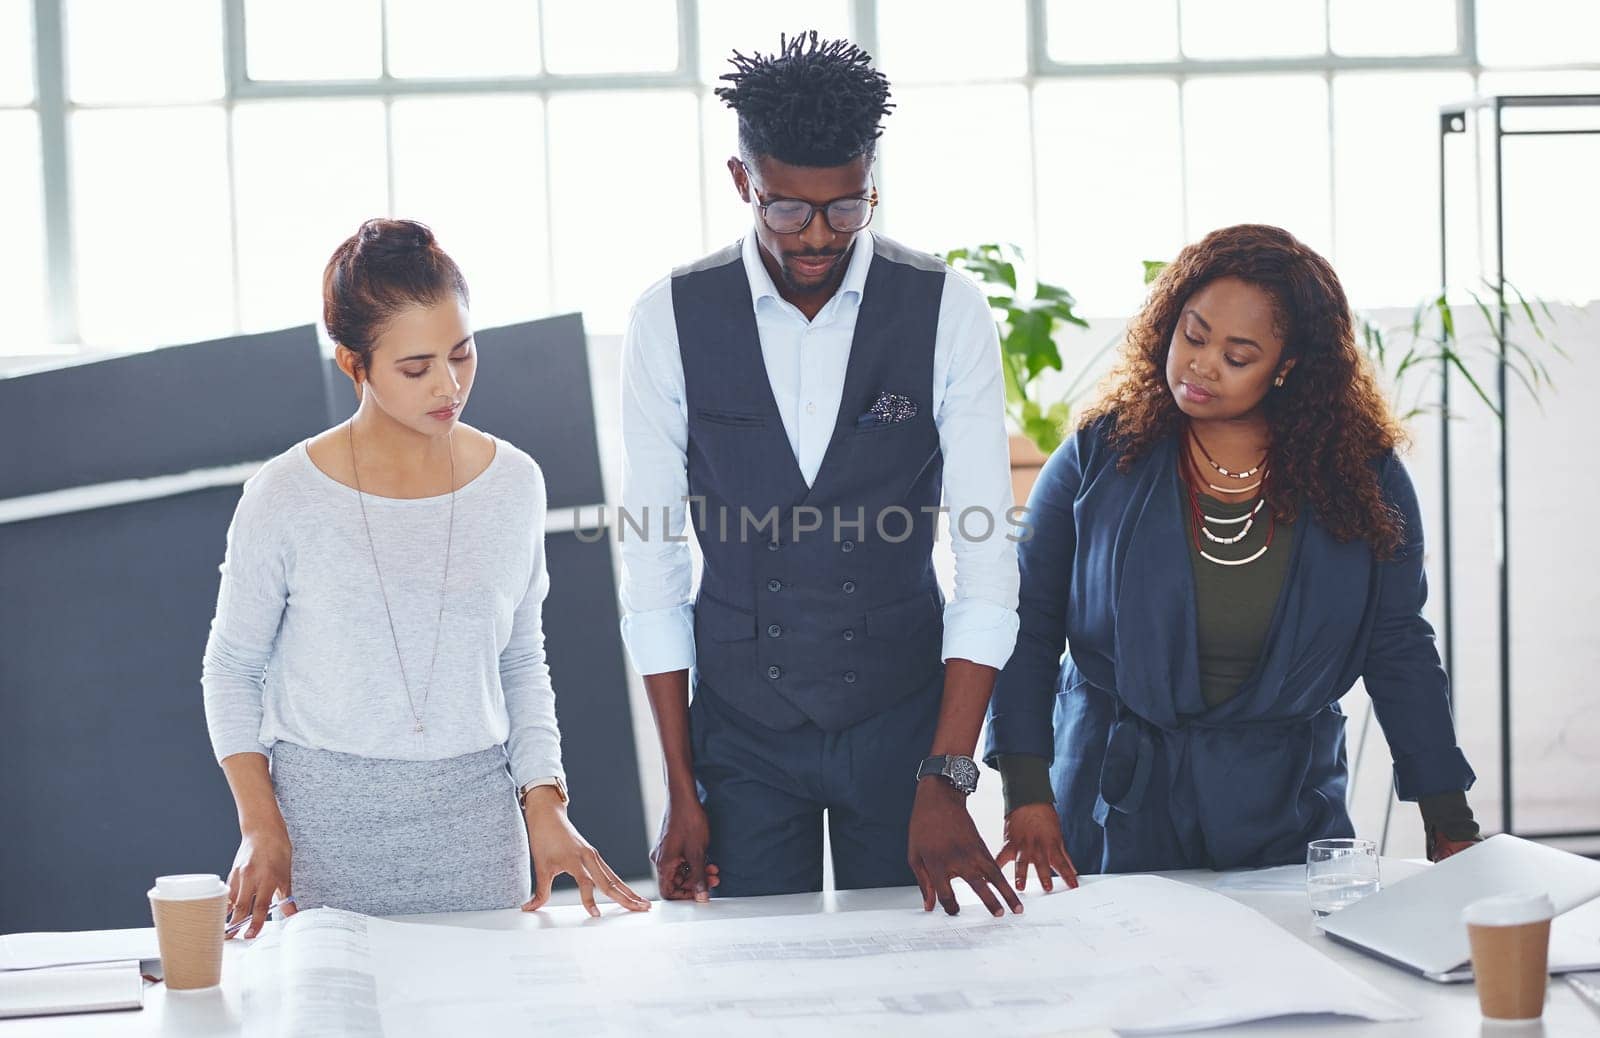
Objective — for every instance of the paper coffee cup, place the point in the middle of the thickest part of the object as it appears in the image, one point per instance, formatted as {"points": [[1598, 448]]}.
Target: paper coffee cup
{"points": [[1510, 937], [189, 912]]}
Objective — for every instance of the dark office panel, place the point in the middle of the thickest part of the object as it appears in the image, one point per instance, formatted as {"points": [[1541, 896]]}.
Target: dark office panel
{"points": [[340, 393], [532, 388], [584, 645], [161, 412], [105, 766], [107, 770]]}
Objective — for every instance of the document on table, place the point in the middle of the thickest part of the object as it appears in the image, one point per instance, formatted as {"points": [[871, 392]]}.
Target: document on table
{"points": [[26, 951], [1134, 953], [318, 976], [1281, 879]]}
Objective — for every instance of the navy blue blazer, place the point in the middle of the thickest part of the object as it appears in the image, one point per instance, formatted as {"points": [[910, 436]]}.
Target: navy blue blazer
{"points": [[1146, 776]]}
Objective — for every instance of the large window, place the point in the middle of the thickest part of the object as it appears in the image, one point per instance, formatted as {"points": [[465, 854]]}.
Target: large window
{"points": [[569, 153]]}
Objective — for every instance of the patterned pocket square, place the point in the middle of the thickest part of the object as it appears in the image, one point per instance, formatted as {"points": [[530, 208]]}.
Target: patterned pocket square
{"points": [[888, 409]]}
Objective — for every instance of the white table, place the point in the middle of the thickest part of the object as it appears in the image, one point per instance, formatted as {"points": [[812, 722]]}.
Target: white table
{"points": [[1447, 1011]]}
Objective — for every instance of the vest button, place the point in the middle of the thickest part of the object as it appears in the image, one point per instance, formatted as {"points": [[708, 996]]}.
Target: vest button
{"points": [[774, 672], [848, 587], [773, 630], [774, 584], [849, 635], [849, 677], [848, 546]]}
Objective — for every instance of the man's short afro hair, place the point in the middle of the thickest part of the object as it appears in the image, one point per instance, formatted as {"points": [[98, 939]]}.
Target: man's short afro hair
{"points": [[813, 103]]}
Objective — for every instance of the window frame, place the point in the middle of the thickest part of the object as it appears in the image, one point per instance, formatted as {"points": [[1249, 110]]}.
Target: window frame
{"points": [[54, 109]]}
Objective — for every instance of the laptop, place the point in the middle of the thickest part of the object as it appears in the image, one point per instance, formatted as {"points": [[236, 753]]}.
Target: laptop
{"points": [[1416, 924]]}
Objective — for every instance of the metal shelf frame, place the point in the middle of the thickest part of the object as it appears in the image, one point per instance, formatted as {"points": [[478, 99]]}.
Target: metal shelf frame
{"points": [[1457, 119]]}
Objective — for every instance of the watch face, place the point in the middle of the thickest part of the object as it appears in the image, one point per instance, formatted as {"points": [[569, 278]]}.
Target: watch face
{"points": [[963, 772]]}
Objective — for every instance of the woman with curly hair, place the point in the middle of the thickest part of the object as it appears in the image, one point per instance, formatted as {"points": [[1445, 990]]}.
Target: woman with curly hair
{"points": [[1224, 546]]}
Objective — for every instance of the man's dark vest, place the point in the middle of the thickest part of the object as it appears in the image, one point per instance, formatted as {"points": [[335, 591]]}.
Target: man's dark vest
{"points": [[816, 603]]}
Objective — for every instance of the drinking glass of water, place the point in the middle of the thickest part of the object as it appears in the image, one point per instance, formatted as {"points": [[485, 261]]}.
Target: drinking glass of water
{"points": [[1339, 873]]}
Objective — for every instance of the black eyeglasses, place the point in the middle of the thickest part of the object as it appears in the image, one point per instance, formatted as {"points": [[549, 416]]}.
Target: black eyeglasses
{"points": [[792, 215]]}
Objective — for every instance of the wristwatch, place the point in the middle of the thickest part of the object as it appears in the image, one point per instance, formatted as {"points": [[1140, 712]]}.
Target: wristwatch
{"points": [[961, 772], [561, 789]]}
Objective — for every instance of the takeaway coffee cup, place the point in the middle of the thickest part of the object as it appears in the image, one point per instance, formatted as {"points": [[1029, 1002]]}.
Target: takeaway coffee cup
{"points": [[189, 912], [1510, 937]]}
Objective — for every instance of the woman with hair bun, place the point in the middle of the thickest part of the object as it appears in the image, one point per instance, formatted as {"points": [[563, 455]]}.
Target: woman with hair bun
{"points": [[1225, 545], [378, 632]]}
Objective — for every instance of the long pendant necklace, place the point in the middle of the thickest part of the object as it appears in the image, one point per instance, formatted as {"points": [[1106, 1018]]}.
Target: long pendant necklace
{"points": [[416, 711]]}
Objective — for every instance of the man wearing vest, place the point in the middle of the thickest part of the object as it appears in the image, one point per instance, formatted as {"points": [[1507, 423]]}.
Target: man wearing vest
{"points": [[802, 398]]}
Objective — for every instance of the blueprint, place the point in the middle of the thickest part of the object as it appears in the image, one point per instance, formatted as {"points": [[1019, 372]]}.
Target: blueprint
{"points": [[1134, 953]]}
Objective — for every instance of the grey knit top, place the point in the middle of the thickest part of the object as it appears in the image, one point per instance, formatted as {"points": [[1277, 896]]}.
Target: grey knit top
{"points": [[300, 648]]}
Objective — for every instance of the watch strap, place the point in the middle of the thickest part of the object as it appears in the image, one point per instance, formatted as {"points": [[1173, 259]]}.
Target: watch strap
{"points": [[552, 780], [958, 770]]}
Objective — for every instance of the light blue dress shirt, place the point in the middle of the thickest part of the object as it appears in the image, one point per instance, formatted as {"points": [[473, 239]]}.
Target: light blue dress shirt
{"points": [[805, 362]]}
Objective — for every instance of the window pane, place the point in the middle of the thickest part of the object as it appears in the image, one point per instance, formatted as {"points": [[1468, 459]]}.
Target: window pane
{"points": [[728, 216], [611, 36], [916, 38], [478, 38], [307, 174], [1386, 177], [1238, 174], [625, 207], [1536, 32], [729, 25], [21, 208], [1379, 27], [1253, 28], [1091, 32], [150, 225], [313, 39], [16, 52], [178, 56], [1551, 219], [473, 170], [1110, 186], [956, 169]]}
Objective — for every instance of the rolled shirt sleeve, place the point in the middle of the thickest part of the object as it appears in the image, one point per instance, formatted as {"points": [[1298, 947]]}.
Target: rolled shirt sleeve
{"points": [[980, 621], [657, 569]]}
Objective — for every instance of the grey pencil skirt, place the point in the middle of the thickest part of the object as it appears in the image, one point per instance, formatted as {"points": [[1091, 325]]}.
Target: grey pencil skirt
{"points": [[396, 837]]}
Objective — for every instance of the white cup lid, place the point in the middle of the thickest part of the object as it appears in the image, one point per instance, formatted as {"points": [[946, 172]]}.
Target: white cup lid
{"points": [[1509, 910], [188, 887]]}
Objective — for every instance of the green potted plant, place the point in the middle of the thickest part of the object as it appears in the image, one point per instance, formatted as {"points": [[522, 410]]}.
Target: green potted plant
{"points": [[1431, 337], [1030, 314]]}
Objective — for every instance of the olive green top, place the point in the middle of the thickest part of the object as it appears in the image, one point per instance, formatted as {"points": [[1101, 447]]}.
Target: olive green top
{"points": [[1234, 604]]}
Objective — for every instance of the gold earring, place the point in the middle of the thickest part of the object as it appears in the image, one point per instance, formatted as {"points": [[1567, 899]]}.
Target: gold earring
{"points": [[1278, 381]]}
